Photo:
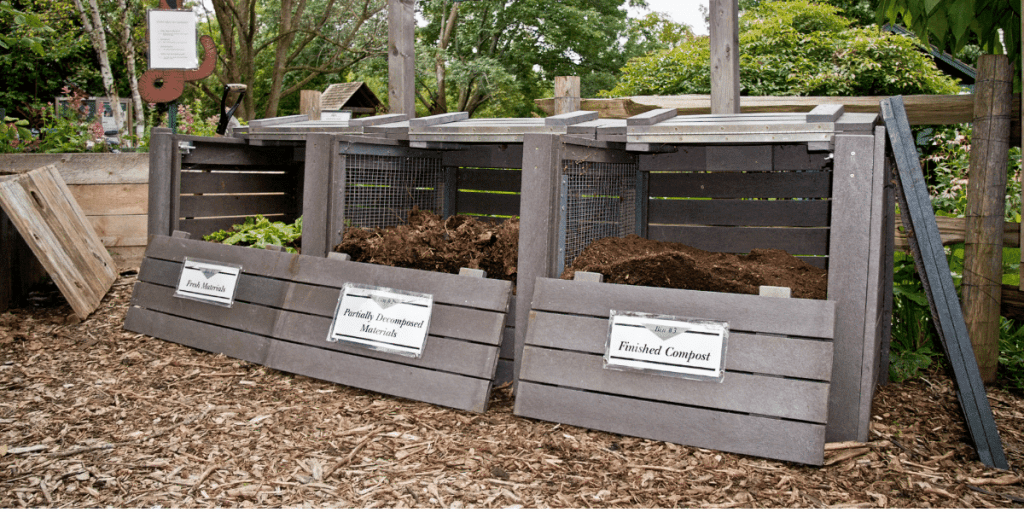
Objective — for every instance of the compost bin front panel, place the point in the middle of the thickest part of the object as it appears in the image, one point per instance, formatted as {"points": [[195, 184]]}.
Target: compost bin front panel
{"points": [[283, 310], [772, 403]]}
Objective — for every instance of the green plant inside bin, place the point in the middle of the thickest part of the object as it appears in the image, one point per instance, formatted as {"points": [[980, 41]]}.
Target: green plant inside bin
{"points": [[259, 232]]}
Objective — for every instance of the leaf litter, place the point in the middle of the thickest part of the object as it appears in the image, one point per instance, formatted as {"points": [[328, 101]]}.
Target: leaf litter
{"points": [[94, 416]]}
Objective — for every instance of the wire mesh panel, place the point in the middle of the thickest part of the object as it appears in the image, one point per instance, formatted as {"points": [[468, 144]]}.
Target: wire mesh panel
{"points": [[598, 200], [381, 190]]}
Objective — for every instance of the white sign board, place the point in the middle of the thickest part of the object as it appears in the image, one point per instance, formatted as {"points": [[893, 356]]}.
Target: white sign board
{"points": [[667, 345], [382, 319], [209, 282], [172, 39], [335, 115]]}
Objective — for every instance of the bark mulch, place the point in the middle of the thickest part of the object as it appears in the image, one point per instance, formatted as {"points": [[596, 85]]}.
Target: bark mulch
{"points": [[94, 416]]}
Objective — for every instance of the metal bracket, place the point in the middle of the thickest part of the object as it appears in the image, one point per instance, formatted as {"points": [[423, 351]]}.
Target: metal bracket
{"points": [[185, 147]]}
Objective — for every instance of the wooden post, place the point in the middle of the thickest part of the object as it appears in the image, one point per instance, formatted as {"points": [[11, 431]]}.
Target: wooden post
{"points": [[1021, 120], [567, 94], [983, 248], [725, 57], [401, 57], [309, 104]]}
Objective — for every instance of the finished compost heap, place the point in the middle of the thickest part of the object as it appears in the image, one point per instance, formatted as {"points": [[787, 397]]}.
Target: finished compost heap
{"points": [[639, 261]]}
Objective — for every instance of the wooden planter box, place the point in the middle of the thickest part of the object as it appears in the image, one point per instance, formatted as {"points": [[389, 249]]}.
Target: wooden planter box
{"points": [[836, 213]]}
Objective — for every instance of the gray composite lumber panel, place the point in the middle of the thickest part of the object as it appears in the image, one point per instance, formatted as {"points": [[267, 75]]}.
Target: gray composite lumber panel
{"points": [[504, 372], [798, 157], [738, 136], [449, 117], [756, 353], [652, 117], [717, 430], [485, 156], [276, 121], [685, 158], [161, 193], [392, 130], [488, 294], [316, 194], [885, 316], [479, 326], [829, 113], [234, 205], [736, 212], [926, 246], [381, 147], [508, 344], [857, 122], [504, 180], [571, 118], [739, 158], [598, 153], [488, 204], [211, 338], [847, 281], [443, 354], [796, 241], [428, 386], [229, 155], [375, 120], [777, 397], [752, 313], [236, 183], [733, 185], [337, 183], [538, 222]]}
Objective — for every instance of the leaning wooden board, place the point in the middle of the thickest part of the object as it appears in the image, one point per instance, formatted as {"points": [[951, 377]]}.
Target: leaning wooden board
{"points": [[774, 399], [50, 221], [283, 309]]}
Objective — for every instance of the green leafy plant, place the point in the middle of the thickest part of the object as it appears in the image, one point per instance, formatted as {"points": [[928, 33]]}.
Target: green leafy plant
{"points": [[15, 137], [259, 232], [70, 128], [1011, 354], [912, 348]]}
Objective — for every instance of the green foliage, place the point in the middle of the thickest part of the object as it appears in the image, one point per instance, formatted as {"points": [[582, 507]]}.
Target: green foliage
{"points": [[1011, 354], [27, 26], [15, 136], [259, 232], [68, 129], [913, 334], [794, 48]]}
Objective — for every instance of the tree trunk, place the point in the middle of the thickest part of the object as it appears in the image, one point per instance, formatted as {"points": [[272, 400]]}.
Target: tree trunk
{"points": [[94, 27], [986, 192], [133, 78]]}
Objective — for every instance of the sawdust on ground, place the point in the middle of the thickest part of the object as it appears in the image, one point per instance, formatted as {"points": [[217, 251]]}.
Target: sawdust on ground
{"points": [[94, 416]]}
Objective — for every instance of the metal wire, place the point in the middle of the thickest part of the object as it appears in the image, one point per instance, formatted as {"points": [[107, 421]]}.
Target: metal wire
{"points": [[600, 201], [381, 190]]}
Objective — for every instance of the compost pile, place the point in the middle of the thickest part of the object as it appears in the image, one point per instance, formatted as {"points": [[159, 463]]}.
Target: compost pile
{"points": [[639, 261], [428, 242], [92, 416]]}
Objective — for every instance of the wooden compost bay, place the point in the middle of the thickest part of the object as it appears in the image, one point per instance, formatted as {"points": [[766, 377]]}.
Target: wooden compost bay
{"points": [[798, 371]]}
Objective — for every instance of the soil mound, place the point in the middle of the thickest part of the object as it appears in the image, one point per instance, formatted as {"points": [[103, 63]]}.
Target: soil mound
{"points": [[429, 243], [639, 261]]}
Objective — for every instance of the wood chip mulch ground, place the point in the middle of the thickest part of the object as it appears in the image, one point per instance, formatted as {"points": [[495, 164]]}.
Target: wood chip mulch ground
{"points": [[94, 416]]}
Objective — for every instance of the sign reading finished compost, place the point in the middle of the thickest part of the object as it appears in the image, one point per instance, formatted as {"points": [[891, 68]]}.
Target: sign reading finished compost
{"points": [[382, 319], [667, 345]]}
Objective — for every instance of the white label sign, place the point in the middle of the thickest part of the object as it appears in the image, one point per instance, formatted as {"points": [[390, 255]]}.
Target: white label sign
{"points": [[383, 319], [335, 115], [667, 345], [172, 39], [207, 281]]}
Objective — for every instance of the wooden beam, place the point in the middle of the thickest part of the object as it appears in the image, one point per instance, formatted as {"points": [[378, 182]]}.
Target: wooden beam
{"points": [[952, 231], [567, 94], [309, 104], [401, 57], [725, 57]]}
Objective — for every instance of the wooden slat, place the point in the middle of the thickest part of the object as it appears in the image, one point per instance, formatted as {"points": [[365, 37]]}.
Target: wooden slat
{"points": [[501, 156], [83, 168], [488, 204], [504, 180], [111, 199], [727, 212], [163, 185], [737, 433], [225, 152], [797, 241], [739, 392], [211, 338], [488, 294], [40, 205], [237, 182], [731, 185], [952, 231], [231, 205], [794, 317], [120, 230], [747, 352]]}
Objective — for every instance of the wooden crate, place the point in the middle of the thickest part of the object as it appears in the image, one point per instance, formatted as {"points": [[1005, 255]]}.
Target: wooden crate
{"points": [[283, 309], [838, 216]]}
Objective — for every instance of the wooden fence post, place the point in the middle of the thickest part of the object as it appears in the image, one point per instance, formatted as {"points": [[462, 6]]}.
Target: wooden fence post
{"points": [[401, 57], [567, 94], [309, 104], [983, 248], [725, 57]]}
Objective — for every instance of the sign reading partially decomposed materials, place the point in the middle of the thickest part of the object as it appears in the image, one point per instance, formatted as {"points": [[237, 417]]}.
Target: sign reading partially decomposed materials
{"points": [[382, 319], [208, 281], [667, 345]]}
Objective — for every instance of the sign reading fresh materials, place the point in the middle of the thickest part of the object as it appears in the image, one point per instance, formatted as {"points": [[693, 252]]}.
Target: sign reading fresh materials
{"points": [[208, 281], [382, 319], [667, 345]]}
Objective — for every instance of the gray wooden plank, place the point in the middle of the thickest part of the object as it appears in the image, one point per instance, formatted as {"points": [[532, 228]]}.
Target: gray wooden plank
{"points": [[437, 119], [825, 113], [739, 158], [211, 338], [486, 156], [847, 281], [376, 120], [577, 150], [275, 121], [433, 387], [161, 192], [443, 354], [316, 194], [732, 185], [857, 122], [223, 152], [747, 352], [797, 157], [570, 118], [236, 205], [740, 392], [236, 182], [652, 117], [795, 317], [488, 294], [728, 212], [796, 241], [874, 295], [505, 180], [504, 374], [737, 433]]}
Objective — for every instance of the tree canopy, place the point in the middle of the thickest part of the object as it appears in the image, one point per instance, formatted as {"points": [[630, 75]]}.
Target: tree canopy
{"points": [[797, 48]]}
